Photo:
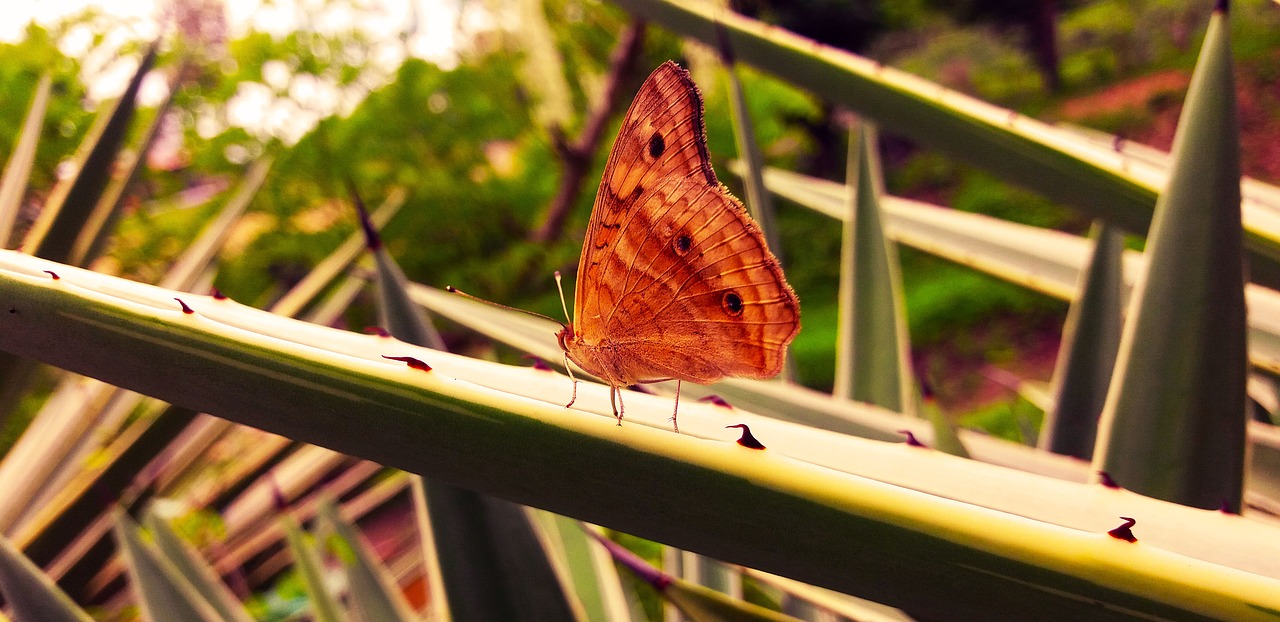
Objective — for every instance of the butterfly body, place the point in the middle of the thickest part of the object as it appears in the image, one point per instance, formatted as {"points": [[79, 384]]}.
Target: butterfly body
{"points": [[675, 279]]}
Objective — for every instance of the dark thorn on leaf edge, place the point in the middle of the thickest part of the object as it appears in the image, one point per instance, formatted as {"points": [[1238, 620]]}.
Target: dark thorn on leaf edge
{"points": [[538, 363], [376, 330], [1123, 532], [1104, 478], [717, 400], [52, 274], [412, 362], [747, 440], [185, 308], [912, 441]]}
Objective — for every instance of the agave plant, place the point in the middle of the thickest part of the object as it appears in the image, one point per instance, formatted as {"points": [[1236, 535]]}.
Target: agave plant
{"points": [[774, 477]]}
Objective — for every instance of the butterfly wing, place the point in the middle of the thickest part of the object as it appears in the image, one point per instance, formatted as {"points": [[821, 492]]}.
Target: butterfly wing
{"points": [[662, 137], [692, 292], [675, 280]]}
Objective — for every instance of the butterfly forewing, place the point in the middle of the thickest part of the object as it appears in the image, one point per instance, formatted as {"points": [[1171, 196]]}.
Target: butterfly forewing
{"points": [[675, 280], [662, 137]]}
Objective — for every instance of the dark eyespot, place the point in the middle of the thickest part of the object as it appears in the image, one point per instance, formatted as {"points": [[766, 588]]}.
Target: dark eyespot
{"points": [[657, 146], [732, 303], [682, 243]]}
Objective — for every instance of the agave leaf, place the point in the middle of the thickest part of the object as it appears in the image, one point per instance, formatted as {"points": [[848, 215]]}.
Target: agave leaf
{"points": [[1013, 147], [55, 231], [590, 570], [1174, 423], [68, 516], [1088, 353], [1045, 260], [873, 363], [492, 563], [305, 292], [697, 603], [41, 449], [992, 532], [844, 605], [16, 375], [196, 259], [161, 590], [374, 595], [68, 511], [100, 223], [291, 304], [324, 607], [30, 594], [194, 569], [783, 402], [65, 430], [251, 525], [397, 314], [437, 602], [17, 170]]}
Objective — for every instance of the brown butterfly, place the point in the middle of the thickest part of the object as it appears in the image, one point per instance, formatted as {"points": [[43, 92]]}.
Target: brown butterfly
{"points": [[675, 280]]}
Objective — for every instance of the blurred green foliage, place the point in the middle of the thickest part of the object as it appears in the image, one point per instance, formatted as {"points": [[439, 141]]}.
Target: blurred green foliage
{"points": [[67, 118], [1014, 419]]}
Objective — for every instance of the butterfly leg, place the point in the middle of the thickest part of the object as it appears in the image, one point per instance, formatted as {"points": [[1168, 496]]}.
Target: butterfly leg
{"points": [[676, 410], [618, 407], [569, 370]]}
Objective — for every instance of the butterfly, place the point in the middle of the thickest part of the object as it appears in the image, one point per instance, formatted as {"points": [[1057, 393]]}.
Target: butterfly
{"points": [[675, 281]]}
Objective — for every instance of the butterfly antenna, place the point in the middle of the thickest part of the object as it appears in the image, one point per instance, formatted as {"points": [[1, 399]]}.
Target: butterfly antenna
{"points": [[453, 290], [563, 306]]}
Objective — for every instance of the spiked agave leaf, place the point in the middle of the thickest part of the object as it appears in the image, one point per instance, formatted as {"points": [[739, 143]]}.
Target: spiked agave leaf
{"points": [[1174, 423], [489, 427]]}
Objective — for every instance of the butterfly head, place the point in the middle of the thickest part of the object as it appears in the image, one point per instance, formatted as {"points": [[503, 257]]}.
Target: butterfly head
{"points": [[565, 336]]}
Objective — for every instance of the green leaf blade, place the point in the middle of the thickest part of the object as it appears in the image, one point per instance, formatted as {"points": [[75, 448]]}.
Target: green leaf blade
{"points": [[1174, 423]]}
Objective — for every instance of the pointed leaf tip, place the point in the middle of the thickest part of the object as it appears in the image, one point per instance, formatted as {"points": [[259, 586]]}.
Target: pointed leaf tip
{"points": [[723, 46], [372, 239]]}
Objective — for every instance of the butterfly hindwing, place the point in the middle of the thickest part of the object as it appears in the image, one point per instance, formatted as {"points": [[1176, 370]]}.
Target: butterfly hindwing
{"points": [[690, 275]]}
